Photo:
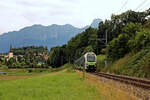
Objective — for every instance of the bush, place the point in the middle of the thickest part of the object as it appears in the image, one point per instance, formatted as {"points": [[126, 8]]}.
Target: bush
{"points": [[140, 41], [118, 47], [30, 70], [70, 69]]}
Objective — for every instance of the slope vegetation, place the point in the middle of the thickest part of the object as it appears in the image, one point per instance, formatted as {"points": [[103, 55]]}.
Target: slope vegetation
{"points": [[134, 64]]}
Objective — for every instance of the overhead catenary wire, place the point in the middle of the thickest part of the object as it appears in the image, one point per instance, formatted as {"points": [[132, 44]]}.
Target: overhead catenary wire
{"points": [[140, 5], [145, 7], [122, 7]]}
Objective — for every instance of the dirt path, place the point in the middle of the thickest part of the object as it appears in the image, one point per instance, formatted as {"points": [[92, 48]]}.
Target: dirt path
{"points": [[29, 76]]}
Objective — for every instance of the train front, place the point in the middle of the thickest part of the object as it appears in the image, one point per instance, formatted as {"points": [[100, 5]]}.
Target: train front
{"points": [[91, 61]]}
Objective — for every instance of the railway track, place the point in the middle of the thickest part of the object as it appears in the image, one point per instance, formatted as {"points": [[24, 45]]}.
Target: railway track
{"points": [[138, 82]]}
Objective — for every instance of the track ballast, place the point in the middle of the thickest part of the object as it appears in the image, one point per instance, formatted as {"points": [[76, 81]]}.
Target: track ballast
{"points": [[138, 82]]}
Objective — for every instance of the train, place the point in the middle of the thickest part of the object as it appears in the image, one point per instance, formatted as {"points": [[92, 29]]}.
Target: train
{"points": [[87, 61]]}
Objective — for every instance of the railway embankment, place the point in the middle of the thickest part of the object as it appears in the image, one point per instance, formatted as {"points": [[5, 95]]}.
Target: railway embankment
{"points": [[135, 86], [108, 91]]}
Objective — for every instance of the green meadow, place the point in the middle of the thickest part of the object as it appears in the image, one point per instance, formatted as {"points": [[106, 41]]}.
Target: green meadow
{"points": [[55, 86]]}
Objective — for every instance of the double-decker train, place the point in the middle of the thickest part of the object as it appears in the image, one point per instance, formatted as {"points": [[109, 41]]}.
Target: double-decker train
{"points": [[89, 61]]}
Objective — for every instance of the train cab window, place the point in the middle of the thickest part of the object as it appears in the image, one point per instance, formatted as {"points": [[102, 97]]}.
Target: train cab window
{"points": [[90, 58]]}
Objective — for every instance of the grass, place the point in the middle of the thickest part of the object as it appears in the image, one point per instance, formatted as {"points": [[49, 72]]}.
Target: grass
{"points": [[16, 74], [58, 84], [109, 91], [62, 86], [30, 71], [24, 72], [100, 62]]}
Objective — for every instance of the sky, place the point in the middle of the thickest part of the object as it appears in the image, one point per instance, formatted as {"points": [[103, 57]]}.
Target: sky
{"points": [[16, 14]]}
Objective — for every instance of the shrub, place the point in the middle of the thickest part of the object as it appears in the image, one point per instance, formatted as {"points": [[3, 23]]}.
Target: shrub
{"points": [[118, 47], [30, 70], [140, 41]]}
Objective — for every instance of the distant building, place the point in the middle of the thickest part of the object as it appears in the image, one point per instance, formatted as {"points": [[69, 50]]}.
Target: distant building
{"points": [[46, 57], [10, 55]]}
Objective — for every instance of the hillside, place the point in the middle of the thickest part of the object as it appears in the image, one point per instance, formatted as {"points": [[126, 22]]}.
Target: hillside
{"points": [[129, 52], [137, 65], [39, 35]]}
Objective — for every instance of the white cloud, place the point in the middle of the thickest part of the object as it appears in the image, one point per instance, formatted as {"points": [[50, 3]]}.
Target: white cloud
{"points": [[16, 14]]}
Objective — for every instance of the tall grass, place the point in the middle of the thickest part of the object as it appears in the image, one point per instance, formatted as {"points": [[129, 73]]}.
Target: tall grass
{"points": [[137, 65], [63, 86], [101, 62]]}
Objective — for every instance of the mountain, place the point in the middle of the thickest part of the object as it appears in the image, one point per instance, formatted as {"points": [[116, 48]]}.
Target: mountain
{"points": [[39, 35], [95, 23]]}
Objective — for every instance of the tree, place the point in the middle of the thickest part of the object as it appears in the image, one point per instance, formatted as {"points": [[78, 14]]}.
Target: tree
{"points": [[88, 49], [147, 24], [140, 41], [75, 47], [57, 57], [11, 63], [118, 47], [132, 28]]}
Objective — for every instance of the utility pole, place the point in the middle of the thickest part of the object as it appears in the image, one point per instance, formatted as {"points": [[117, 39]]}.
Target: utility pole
{"points": [[106, 51], [106, 42]]}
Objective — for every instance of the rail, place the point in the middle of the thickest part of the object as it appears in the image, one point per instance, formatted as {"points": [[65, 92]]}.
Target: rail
{"points": [[138, 82]]}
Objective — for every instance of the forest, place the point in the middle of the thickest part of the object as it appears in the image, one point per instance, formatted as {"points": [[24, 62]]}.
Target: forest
{"points": [[126, 34], [123, 31]]}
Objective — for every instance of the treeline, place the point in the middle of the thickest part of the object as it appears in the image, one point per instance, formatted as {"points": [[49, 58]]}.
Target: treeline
{"points": [[133, 39], [124, 38], [127, 32], [30, 49]]}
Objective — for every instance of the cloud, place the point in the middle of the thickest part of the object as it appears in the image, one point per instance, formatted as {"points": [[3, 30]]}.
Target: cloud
{"points": [[46, 3], [16, 14], [23, 12]]}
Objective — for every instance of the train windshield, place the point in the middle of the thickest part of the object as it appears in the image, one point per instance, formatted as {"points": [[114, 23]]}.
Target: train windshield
{"points": [[90, 58]]}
